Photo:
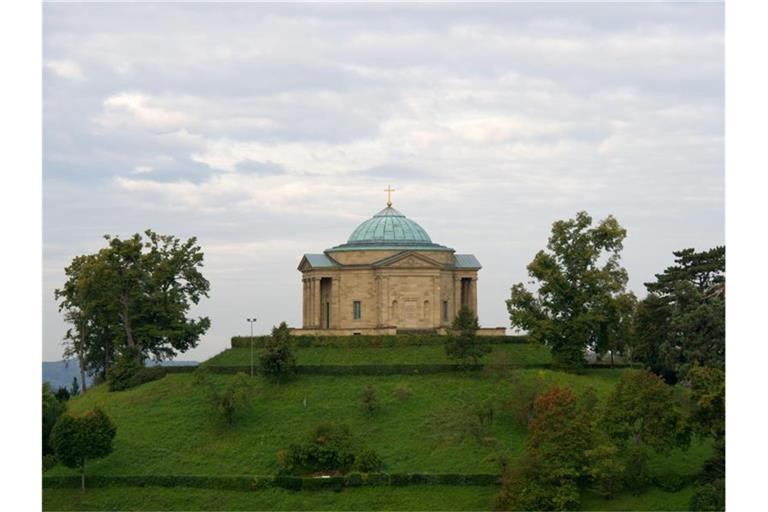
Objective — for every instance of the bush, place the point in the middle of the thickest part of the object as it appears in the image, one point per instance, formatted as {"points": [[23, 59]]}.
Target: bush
{"points": [[710, 496], [363, 341], [368, 461], [370, 401], [606, 469], [462, 343], [121, 375], [277, 361], [49, 461], [52, 410], [231, 400], [403, 392]]}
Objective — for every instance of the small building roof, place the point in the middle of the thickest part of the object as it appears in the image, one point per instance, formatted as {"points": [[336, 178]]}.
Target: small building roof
{"points": [[320, 261], [466, 261]]}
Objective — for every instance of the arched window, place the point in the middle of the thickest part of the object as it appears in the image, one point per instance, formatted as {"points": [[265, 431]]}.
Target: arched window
{"points": [[393, 313], [426, 313]]}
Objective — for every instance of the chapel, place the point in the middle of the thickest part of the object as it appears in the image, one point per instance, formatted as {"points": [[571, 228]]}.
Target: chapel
{"points": [[388, 278]]}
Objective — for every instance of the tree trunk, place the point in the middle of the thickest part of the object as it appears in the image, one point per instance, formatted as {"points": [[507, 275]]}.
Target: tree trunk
{"points": [[81, 360], [82, 476]]}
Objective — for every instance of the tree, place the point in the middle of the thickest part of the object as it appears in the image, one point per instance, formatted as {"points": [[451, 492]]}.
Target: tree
{"points": [[703, 269], [641, 415], [62, 394], [546, 475], [53, 407], [580, 290], [462, 343], [277, 361], [75, 388], [133, 295], [708, 420], [606, 469], [681, 323], [76, 439]]}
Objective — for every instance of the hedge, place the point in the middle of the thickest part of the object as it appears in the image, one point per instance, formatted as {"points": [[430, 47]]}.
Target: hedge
{"points": [[396, 369], [366, 341], [294, 483]]}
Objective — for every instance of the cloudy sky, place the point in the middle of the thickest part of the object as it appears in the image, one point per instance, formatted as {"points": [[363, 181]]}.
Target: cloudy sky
{"points": [[271, 131]]}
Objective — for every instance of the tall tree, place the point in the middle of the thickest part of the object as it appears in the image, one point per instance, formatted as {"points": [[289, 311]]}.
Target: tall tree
{"points": [[580, 289], [134, 296], [681, 322]]}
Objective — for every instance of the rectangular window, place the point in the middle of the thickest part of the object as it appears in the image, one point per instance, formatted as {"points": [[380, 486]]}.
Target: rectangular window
{"points": [[357, 310], [445, 311]]}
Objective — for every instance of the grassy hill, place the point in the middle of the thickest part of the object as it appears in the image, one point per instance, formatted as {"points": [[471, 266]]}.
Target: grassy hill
{"points": [[164, 428]]}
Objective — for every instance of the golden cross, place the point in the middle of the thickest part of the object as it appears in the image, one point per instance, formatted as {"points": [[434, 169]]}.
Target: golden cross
{"points": [[389, 191]]}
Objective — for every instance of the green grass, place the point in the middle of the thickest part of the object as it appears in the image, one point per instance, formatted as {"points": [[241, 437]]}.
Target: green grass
{"points": [[164, 427], [362, 498], [420, 497], [653, 499], [516, 354]]}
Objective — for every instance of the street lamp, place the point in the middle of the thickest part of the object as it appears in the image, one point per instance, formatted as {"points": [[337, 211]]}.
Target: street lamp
{"points": [[251, 321]]}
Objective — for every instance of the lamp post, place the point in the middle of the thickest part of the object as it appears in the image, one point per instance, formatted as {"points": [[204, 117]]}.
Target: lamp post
{"points": [[251, 321]]}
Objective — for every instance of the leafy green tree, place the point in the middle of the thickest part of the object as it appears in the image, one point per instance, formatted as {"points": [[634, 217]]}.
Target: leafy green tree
{"points": [[277, 360], [52, 409], [580, 290], [76, 439], [606, 469], [641, 415], [681, 323], [74, 389], [134, 296], [708, 420], [461, 343]]}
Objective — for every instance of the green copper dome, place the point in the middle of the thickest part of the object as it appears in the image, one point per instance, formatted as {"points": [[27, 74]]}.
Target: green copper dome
{"points": [[389, 229]]}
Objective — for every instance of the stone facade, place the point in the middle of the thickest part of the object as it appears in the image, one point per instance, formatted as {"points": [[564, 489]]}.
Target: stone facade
{"points": [[386, 280]]}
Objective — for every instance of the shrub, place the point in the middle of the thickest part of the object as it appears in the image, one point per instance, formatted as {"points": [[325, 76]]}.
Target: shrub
{"points": [[76, 439], [369, 399], [368, 461], [121, 375], [461, 344], [49, 461], [403, 392], [710, 496], [277, 361], [52, 410], [228, 401], [363, 341]]}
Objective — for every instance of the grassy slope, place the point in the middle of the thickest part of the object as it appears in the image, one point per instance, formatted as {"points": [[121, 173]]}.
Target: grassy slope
{"points": [[502, 353], [164, 428]]}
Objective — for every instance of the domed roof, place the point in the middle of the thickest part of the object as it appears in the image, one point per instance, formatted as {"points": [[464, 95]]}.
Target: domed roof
{"points": [[389, 229]]}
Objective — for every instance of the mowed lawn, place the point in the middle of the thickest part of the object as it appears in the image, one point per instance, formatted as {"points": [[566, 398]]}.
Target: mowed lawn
{"points": [[419, 497], [508, 353]]}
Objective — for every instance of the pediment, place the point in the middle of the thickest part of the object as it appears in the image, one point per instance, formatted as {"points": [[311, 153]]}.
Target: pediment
{"points": [[408, 259]]}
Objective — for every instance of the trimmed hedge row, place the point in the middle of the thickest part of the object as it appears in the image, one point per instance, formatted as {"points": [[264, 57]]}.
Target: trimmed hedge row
{"points": [[294, 483], [367, 341], [395, 369]]}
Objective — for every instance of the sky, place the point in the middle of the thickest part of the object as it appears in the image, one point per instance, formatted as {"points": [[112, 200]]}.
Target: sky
{"points": [[270, 131]]}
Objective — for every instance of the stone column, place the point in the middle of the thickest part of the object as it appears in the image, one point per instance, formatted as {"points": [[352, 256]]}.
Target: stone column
{"points": [[456, 297], [304, 302], [317, 302], [473, 295]]}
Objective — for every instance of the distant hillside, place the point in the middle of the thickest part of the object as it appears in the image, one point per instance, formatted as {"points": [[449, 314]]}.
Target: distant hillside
{"points": [[60, 373]]}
